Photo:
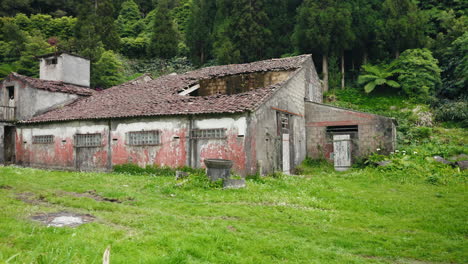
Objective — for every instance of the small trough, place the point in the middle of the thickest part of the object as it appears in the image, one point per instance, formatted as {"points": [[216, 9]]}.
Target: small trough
{"points": [[63, 219]]}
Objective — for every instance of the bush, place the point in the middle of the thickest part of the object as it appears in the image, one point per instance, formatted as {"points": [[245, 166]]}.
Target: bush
{"points": [[419, 73], [453, 111]]}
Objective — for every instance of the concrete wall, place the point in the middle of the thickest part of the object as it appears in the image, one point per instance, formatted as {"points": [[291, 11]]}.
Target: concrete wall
{"points": [[30, 101], [265, 143], [373, 131], [175, 149], [69, 69], [2, 147]]}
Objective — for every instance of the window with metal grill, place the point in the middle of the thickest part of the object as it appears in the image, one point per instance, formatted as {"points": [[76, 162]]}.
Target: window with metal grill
{"points": [[46, 139], [143, 138], [88, 140], [209, 133]]}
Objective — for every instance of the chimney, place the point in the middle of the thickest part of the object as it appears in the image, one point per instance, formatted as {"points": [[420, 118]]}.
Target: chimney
{"points": [[65, 67]]}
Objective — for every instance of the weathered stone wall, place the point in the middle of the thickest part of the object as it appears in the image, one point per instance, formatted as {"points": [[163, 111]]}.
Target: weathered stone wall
{"points": [[373, 131], [241, 82], [266, 145]]}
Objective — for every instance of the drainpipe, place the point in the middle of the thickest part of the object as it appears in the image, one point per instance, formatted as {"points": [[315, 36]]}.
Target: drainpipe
{"points": [[109, 145], [190, 141]]}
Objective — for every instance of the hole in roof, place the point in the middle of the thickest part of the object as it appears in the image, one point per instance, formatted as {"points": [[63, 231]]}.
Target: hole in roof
{"points": [[235, 84]]}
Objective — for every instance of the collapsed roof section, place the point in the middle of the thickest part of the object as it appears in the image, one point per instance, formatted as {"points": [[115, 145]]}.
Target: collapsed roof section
{"points": [[220, 89]]}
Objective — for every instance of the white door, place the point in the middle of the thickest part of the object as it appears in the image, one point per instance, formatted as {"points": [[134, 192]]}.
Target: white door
{"points": [[342, 152]]}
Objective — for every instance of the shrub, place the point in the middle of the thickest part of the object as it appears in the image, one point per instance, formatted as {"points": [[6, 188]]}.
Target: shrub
{"points": [[419, 73], [453, 111]]}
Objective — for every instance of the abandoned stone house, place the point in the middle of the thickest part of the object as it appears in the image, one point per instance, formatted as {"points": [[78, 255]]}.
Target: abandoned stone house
{"points": [[264, 116]]}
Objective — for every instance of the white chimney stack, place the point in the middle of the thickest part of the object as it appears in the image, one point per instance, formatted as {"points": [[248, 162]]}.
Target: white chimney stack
{"points": [[65, 67]]}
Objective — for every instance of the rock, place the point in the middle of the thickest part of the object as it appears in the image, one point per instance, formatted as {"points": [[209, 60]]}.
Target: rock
{"points": [[460, 157], [393, 107], [383, 163], [463, 164], [424, 118], [233, 183], [181, 175], [442, 160]]}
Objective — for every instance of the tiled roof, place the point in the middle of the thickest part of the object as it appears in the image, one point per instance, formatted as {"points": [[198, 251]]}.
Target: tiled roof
{"points": [[160, 96], [51, 86]]}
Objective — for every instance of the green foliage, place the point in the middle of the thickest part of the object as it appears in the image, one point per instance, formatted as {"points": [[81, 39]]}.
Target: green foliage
{"points": [[403, 26], [198, 33], [107, 71], [455, 69], [163, 42], [157, 67], [241, 34], [377, 75], [453, 111], [419, 73], [128, 18], [134, 47], [325, 32], [134, 169]]}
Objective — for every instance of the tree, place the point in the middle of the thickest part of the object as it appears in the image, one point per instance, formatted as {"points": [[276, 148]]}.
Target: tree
{"points": [[129, 15], [243, 30], [455, 74], [404, 25], [377, 76], [163, 42], [199, 32], [95, 29], [28, 63], [325, 32], [105, 24], [107, 71], [419, 74]]}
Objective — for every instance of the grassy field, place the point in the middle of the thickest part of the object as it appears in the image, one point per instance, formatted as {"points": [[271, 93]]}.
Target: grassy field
{"points": [[369, 215]]}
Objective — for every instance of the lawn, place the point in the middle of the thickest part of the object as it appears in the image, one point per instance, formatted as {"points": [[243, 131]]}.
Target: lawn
{"points": [[365, 215]]}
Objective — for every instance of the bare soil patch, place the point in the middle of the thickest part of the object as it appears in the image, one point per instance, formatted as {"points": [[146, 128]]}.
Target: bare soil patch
{"points": [[31, 198], [63, 219], [93, 195]]}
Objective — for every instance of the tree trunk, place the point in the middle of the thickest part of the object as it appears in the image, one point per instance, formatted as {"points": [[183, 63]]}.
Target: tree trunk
{"points": [[325, 72], [364, 57], [202, 57], [397, 54], [342, 71]]}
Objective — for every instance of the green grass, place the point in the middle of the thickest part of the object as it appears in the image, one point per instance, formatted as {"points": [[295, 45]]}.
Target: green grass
{"points": [[369, 215]]}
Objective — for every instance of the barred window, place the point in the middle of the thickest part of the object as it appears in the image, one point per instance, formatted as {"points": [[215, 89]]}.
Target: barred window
{"points": [[143, 138], [46, 139], [209, 133], [88, 140]]}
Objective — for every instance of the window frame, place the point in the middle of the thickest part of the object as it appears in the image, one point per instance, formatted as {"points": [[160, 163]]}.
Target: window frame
{"points": [[43, 139], [209, 133], [100, 144], [130, 133]]}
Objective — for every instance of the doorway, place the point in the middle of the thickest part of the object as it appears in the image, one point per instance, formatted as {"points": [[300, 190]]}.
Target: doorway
{"points": [[9, 140], [286, 136]]}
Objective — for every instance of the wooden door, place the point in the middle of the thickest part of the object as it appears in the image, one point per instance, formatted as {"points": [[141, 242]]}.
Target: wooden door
{"points": [[342, 152]]}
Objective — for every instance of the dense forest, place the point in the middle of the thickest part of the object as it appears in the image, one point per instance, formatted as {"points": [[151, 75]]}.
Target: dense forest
{"points": [[417, 48]]}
